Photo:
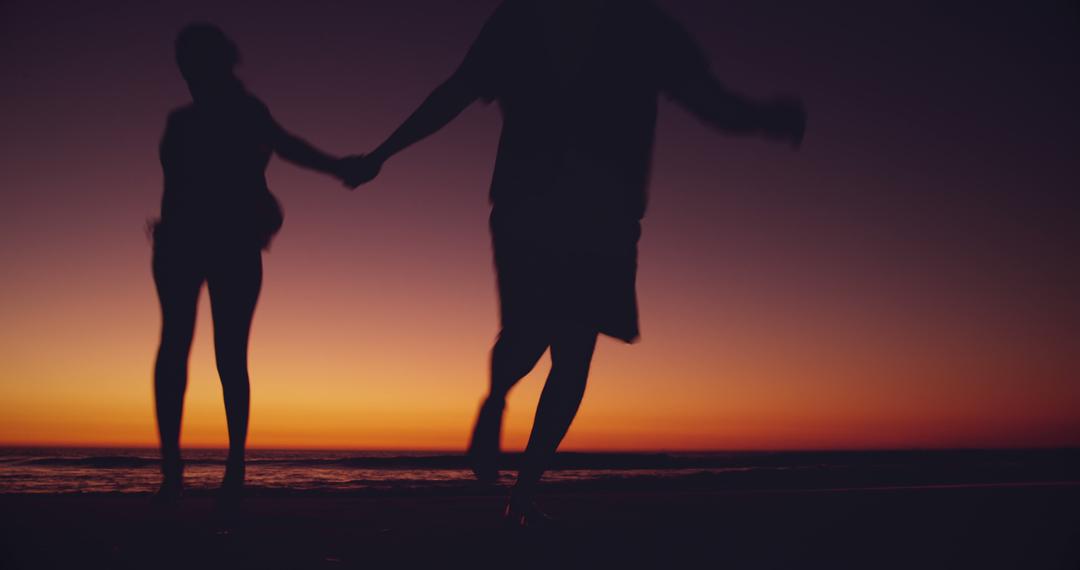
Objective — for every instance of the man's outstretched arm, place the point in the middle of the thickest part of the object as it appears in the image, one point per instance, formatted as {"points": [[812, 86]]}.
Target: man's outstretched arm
{"points": [[683, 73], [707, 98], [445, 103], [474, 78]]}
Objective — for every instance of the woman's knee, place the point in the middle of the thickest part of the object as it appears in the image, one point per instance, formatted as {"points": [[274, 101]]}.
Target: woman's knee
{"points": [[173, 353], [233, 371]]}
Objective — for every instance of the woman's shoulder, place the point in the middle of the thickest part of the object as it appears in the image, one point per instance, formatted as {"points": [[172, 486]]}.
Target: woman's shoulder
{"points": [[179, 116], [246, 102], [181, 113]]}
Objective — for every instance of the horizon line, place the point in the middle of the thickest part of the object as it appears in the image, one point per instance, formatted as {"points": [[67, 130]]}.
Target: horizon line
{"points": [[462, 450]]}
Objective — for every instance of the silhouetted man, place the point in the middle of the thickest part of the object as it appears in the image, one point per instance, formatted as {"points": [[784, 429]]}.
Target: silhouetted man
{"points": [[577, 82]]}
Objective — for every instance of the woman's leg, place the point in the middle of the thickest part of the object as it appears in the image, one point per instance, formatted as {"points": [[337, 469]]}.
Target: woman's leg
{"points": [[178, 283], [572, 349], [234, 283], [514, 355]]}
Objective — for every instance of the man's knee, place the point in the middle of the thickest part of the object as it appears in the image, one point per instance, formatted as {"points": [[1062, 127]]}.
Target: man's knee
{"points": [[572, 346], [521, 343], [570, 375], [515, 354]]}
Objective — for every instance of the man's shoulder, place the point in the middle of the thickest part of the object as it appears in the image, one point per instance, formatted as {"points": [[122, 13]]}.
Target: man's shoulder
{"points": [[254, 103]]}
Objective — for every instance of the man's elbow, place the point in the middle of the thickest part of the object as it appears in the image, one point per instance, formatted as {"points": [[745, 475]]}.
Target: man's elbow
{"points": [[455, 93]]}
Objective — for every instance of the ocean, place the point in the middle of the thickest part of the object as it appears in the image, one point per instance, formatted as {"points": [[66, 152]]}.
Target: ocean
{"points": [[132, 470]]}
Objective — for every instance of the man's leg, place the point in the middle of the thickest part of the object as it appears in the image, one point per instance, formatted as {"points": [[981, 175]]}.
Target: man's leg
{"points": [[572, 349], [514, 355]]}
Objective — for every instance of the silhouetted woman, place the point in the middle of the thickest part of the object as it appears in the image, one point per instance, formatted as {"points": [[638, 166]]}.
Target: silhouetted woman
{"points": [[217, 216], [577, 82]]}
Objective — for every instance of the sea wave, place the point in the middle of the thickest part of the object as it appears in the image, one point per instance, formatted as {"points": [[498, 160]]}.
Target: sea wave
{"points": [[567, 460], [405, 461], [136, 470]]}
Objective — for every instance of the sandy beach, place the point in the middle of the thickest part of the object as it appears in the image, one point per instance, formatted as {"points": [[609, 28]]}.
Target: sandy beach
{"points": [[1021, 526]]}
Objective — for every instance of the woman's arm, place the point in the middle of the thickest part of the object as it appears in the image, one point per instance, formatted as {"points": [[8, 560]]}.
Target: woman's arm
{"points": [[293, 148], [300, 152]]}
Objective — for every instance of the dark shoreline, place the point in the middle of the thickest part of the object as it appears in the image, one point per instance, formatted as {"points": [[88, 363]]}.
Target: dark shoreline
{"points": [[1018, 526]]}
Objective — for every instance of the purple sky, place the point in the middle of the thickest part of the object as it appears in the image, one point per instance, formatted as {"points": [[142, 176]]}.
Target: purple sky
{"points": [[920, 248]]}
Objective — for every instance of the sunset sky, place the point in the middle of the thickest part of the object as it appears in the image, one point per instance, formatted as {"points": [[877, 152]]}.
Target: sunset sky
{"points": [[908, 279]]}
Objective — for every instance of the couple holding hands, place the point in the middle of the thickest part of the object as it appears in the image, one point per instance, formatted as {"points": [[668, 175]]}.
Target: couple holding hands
{"points": [[577, 82]]}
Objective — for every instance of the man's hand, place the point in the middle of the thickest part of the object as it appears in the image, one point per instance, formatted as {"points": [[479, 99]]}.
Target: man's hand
{"points": [[355, 170], [785, 119]]}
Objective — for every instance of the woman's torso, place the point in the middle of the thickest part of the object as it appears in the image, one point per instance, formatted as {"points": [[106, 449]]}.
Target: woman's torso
{"points": [[214, 160]]}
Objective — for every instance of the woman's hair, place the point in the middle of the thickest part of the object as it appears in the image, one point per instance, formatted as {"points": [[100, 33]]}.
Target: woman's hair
{"points": [[203, 47]]}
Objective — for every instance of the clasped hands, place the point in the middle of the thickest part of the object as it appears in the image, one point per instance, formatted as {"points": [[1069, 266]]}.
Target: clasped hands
{"points": [[357, 169]]}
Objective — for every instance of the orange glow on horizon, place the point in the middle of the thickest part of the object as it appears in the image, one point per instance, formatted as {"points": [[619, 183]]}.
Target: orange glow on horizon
{"points": [[388, 383]]}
